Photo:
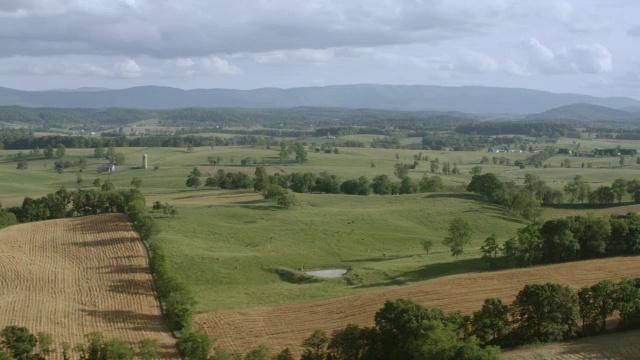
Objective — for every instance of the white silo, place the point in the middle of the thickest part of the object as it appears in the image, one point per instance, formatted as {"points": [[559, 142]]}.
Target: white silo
{"points": [[145, 161]]}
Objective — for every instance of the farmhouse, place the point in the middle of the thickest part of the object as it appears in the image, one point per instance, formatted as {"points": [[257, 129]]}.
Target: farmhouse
{"points": [[106, 168]]}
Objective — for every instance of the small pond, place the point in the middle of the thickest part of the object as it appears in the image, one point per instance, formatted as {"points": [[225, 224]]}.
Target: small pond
{"points": [[331, 273]]}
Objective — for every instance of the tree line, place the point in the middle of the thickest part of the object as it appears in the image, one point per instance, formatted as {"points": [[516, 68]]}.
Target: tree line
{"points": [[526, 128], [19, 343], [308, 182], [568, 239], [297, 117], [406, 330], [526, 200]]}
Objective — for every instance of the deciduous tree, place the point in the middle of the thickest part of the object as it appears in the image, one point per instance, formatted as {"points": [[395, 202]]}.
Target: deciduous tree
{"points": [[460, 232]]}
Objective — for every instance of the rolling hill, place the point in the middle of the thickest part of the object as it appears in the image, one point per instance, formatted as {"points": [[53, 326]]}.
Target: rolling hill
{"points": [[468, 99], [584, 112]]}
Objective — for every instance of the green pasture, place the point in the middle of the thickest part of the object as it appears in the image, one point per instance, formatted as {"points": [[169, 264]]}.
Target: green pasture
{"points": [[235, 250]]}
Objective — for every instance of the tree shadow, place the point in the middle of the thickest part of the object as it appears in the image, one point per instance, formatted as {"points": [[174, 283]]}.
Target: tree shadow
{"points": [[131, 287], [377, 259], [131, 320], [262, 207], [292, 276], [104, 242], [461, 195], [581, 206], [431, 271], [123, 269]]}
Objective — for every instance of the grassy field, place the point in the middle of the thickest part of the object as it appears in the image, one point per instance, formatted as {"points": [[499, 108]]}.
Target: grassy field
{"points": [[73, 276], [236, 250], [288, 326], [236, 244]]}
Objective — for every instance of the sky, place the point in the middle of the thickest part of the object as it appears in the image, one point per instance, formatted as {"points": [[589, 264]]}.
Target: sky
{"points": [[579, 46]]}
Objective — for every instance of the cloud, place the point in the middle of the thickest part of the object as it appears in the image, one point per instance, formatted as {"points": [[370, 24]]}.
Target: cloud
{"points": [[579, 58], [71, 66], [205, 66], [295, 57], [634, 31], [474, 62], [197, 28], [127, 68], [79, 69]]}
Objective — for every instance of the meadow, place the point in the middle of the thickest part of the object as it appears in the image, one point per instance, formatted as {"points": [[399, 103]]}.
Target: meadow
{"points": [[236, 250]]}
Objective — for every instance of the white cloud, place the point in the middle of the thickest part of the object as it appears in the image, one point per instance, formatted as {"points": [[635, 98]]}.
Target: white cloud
{"points": [[579, 58], [295, 57], [514, 68], [204, 66], [473, 61], [77, 69], [127, 68], [634, 31]]}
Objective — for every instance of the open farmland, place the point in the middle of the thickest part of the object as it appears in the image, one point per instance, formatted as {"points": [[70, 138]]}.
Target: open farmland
{"points": [[618, 346], [288, 326], [74, 276]]}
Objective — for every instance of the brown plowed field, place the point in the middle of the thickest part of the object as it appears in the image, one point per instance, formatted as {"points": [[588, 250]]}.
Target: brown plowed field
{"points": [[617, 346], [73, 276], [288, 326]]}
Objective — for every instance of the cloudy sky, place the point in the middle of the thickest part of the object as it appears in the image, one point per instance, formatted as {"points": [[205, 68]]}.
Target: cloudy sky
{"points": [[582, 46]]}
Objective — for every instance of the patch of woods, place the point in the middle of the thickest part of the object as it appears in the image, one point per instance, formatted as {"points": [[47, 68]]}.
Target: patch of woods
{"points": [[63, 204], [279, 187], [19, 343], [567, 239], [526, 200]]}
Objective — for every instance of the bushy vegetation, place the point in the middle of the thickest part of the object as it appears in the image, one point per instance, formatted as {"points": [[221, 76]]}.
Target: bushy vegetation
{"points": [[574, 238], [19, 343], [177, 302]]}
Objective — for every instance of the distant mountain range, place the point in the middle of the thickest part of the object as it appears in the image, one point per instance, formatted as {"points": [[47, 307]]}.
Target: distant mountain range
{"points": [[468, 99], [584, 112]]}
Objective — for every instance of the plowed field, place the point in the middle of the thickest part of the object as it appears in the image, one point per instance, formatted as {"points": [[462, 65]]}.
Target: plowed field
{"points": [[288, 326], [73, 276], [617, 346]]}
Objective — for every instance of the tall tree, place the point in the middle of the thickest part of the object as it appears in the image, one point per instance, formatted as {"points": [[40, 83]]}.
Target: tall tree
{"points": [[61, 150], [490, 250], [619, 188], [491, 322], [400, 170], [300, 151], [597, 303], [193, 180], [460, 232], [544, 313], [315, 346], [261, 179]]}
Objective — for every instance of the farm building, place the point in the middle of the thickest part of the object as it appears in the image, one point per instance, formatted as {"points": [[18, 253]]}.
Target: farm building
{"points": [[106, 168]]}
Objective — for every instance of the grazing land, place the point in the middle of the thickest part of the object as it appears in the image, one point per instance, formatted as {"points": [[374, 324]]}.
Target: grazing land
{"points": [[237, 250], [244, 258], [288, 326], [74, 276]]}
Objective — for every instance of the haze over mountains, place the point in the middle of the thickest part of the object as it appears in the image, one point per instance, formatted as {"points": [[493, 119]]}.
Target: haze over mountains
{"points": [[468, 99], [585, 112]]}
